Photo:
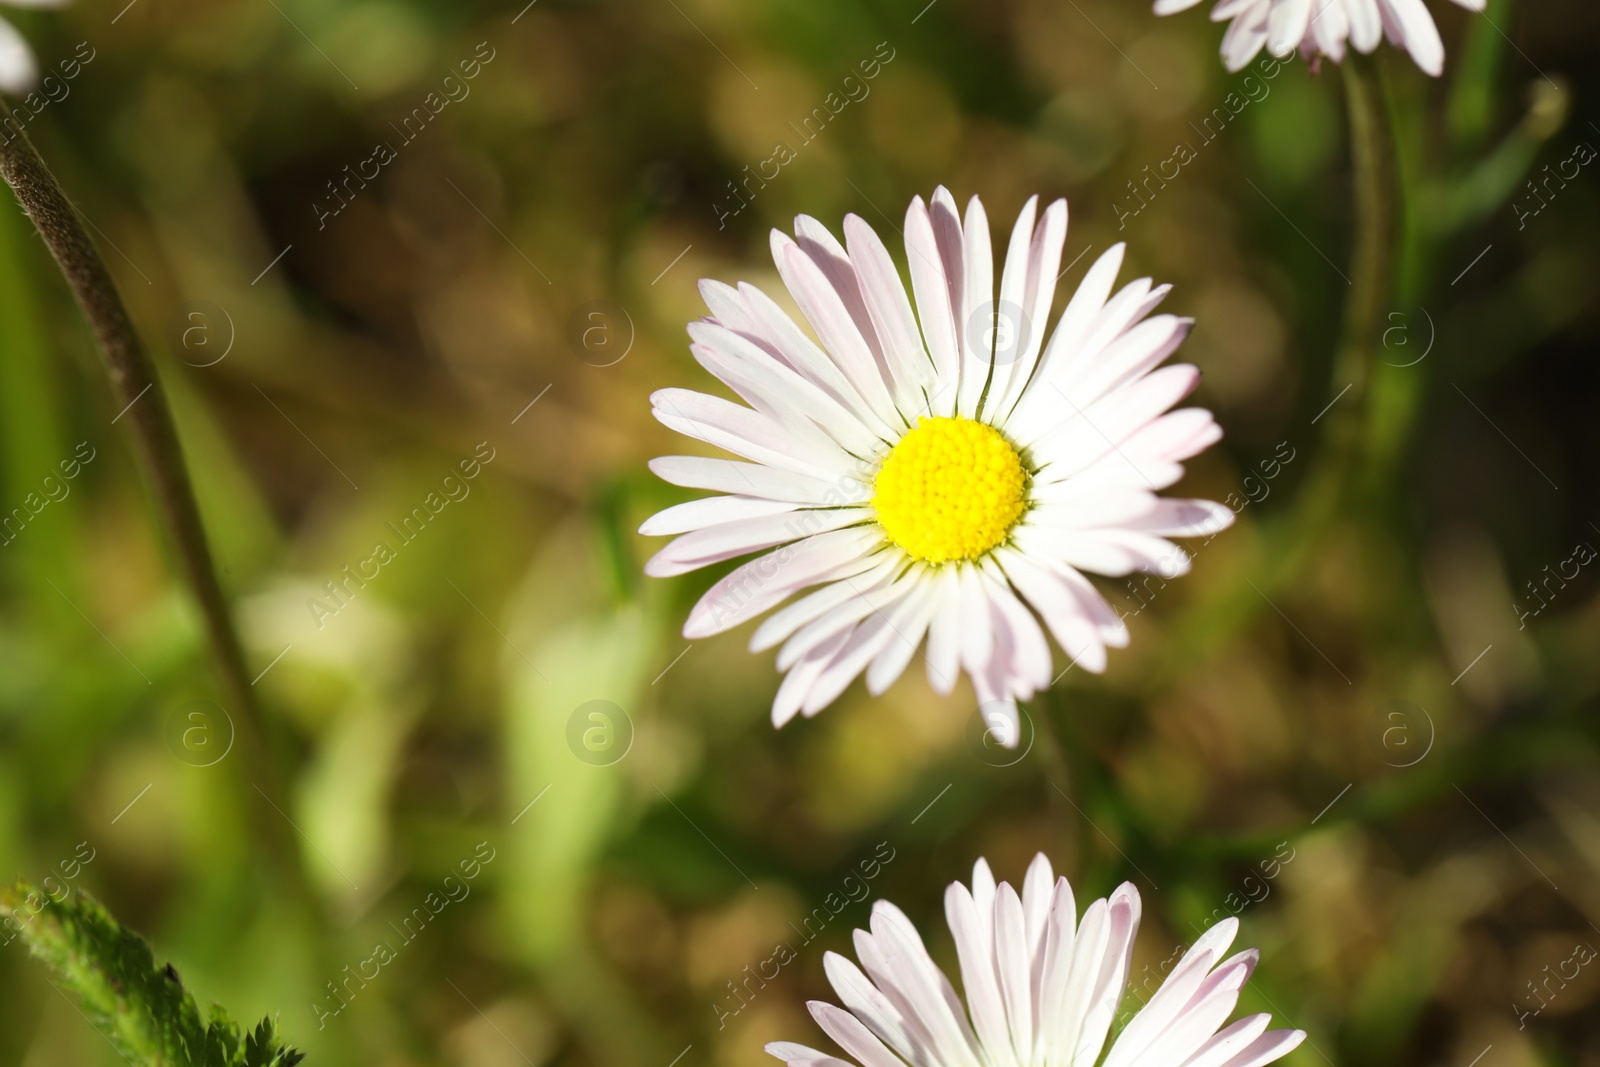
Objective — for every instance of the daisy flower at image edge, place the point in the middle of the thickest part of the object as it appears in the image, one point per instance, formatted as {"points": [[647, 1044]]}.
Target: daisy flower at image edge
{"points": [[18, 71], [1322, 27], [939, 470], [1042, 989]]}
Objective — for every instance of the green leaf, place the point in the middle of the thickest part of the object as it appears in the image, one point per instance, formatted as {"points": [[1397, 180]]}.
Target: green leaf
{"points": [[141, 1007]]}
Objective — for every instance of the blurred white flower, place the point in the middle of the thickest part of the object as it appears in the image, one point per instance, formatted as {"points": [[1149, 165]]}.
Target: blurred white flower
{"points": [[1041, 989], [18, 72], [927, 469], [1322, 27]]}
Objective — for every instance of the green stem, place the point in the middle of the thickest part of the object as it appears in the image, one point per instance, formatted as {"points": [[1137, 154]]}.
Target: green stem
{"points": [[139, 394], [1347, 440], [1372, 153], [1375, 179]]}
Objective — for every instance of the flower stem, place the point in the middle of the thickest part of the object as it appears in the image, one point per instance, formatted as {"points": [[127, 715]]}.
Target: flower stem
{"points": [[1373, 159], [1347, 442], [144, 404]]}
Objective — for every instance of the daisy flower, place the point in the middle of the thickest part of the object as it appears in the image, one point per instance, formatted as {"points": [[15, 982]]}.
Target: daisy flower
{"points": [[18, 71], [936, 472], [1321, 27], [1042, 989]]}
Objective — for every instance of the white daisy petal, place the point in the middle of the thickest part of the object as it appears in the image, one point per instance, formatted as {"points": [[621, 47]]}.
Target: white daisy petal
{"points": [[1133, 354], [936, 311], [977, 302], [944, 632], [852, 1036], [834, 261], [1017, 633], [1038, 890], [1270, 1046], [1416, 30], [1009, 317], [911, 371], [1324, 27], [1056, 960], [909, 620], [1040, 403], [871, 638], [781, 624], [1193, 1024], [743, 479], [801, 1056], [1119, 313], [972, 931], [800, 352], [1229, 1041], [1229, 9], [867, 1003], [744, 432], [1245, 36], [983, 890], [754, 588], [977, 631], [778, 391], [802, 676], [1066, 505], [820, 303], [1044, 262], [1329, 30], [1014, 965], [1183, 518], [1085, 435], [1061, 610], [1286, 25], [1041, 989], [1111, 552], [1093, 605], [1108, 986], [930, 473], [709, 511], [860, 605], [713, 544], [1366, 25], [926, 987], [18, 71]]}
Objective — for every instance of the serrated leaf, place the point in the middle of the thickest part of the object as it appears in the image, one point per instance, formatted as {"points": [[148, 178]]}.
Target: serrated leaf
{"points": [[140, 1006]]}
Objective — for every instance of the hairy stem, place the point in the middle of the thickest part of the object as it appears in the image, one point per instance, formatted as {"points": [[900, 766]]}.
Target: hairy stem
{"points": [[1347, 442], [144, 405], [1372, 153], [1345, 451]]}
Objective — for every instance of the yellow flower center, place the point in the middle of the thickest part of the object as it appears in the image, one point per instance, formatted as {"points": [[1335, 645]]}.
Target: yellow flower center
{"points": [[951, 489]]}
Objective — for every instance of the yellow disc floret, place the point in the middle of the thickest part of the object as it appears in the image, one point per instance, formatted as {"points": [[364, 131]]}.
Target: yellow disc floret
{"points": [[951, 489]]}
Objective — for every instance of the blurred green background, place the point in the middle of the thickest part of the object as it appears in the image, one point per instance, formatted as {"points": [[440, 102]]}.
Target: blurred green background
{"points": [[1390, 709]]}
